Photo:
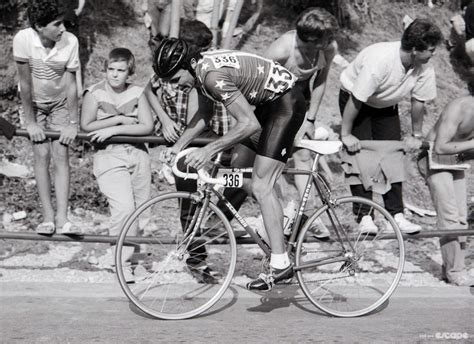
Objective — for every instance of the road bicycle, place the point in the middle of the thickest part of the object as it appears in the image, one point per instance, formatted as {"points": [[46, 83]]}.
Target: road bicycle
{"points": [[181, 247]]}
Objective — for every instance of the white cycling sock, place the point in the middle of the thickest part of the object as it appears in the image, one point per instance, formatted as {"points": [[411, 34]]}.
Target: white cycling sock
{"points": [[279, 261]]}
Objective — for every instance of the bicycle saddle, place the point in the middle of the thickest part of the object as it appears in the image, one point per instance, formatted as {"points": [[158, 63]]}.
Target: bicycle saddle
{"points": [[321, 147]]}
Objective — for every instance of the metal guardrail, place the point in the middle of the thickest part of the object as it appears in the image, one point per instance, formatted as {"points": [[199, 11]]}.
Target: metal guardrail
{"points": [[161, 141], [116, 139], [106, 239]]}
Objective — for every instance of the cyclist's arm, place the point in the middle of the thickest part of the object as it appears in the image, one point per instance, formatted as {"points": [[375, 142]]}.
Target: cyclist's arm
{"points": [[246, 125], [198, 123]]}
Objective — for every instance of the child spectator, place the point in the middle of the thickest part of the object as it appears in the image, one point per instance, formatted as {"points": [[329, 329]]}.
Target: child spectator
{"points": [[452, 134], [372, 86], [47, 60], [115, 107]]}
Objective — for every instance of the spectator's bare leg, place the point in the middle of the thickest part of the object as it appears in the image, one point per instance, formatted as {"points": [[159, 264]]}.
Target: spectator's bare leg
{"points": [[61, 181], [303, 161], [42, 156]]}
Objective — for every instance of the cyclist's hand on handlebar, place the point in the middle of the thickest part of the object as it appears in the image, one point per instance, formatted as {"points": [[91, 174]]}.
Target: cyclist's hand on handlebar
{"points": [[351, 142], [411, 144], [198, 158]]}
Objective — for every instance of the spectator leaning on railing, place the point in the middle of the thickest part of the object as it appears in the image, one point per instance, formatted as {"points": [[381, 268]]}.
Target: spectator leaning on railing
{"points": [[372, 86], [453, 134], [47, 59], [116, 107]]}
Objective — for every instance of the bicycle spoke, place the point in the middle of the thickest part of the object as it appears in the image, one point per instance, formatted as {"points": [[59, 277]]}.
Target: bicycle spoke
{"points": [[371, 267], [176, 279]]}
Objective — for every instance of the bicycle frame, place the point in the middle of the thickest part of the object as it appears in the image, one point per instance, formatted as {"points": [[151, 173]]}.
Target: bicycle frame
{"points": [[313, 177]]}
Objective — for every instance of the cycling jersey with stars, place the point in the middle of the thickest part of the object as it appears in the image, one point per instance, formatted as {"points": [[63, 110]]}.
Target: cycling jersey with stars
{"points": [[224, 75]]}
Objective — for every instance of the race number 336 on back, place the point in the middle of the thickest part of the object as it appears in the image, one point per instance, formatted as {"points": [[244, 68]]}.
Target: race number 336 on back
{"points": [[279, 79], [225, 60]]}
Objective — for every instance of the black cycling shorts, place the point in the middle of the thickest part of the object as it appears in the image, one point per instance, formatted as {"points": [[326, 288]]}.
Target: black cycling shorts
{"points": [[280, 120]]}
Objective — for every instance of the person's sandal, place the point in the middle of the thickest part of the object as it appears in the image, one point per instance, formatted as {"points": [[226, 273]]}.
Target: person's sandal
{"points": [[47, 228], [69, 229]]}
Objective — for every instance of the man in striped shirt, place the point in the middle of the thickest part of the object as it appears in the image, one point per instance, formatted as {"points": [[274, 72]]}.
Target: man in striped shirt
{"points": [[47, 59]]}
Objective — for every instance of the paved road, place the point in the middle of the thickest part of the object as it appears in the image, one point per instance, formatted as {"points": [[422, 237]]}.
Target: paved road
{"points": [[99, 313]]}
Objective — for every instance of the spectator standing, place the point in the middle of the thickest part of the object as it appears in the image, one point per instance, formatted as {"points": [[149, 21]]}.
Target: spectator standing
{"points": [[462, 31], [159, 12], [372, 86], [452, 134], [308, 52], [116, 107], [469, 20], [72, 10], [47, 59]]}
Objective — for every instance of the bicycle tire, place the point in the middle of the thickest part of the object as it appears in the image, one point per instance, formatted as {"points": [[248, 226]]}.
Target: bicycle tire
{"points": [[168, 276], [360, 278]]}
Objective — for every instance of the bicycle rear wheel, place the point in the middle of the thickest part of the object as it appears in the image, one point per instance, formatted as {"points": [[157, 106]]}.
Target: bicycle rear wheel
{"points": [[171, 273], [351, 274]]}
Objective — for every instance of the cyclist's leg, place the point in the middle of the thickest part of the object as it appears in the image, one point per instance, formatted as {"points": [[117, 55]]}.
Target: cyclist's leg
{"points": [[266, 172], [242, 156], [281, 120]]}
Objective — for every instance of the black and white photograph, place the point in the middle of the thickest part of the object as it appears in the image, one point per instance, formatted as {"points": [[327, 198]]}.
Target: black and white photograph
{"points": [[253, 171]]}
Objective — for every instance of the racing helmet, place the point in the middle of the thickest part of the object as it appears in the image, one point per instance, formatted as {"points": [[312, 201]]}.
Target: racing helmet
{"points": [[170, 56]]}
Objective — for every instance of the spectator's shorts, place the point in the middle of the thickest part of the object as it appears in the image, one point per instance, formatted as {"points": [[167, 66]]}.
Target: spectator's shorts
{"points": [[53, 115], [188, 8]]}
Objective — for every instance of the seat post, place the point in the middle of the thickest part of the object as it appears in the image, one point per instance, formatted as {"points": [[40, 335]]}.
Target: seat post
{"points": [[315, 162], [218, 158]]}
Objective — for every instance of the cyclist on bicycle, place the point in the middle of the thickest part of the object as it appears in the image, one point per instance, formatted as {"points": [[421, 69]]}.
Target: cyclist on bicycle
{"points": [[258, 93]]}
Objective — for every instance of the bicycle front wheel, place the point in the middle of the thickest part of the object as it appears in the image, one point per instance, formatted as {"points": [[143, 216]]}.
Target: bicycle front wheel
{"points": [[175, 259], [353, 273]]}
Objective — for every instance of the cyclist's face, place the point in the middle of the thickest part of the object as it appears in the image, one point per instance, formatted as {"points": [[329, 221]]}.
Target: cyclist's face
{"points": [[181, 77]]}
